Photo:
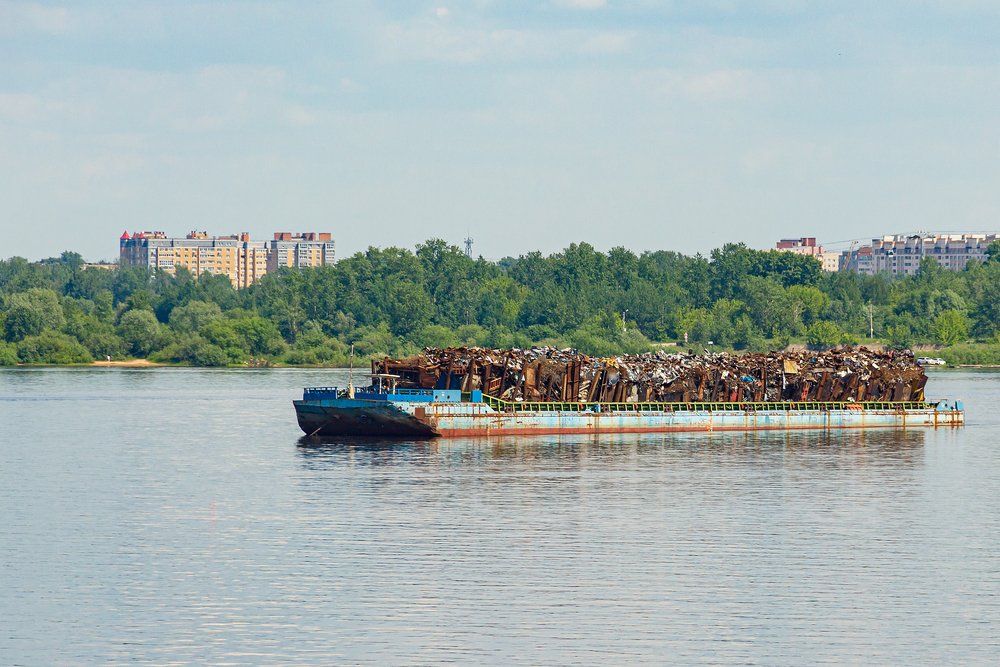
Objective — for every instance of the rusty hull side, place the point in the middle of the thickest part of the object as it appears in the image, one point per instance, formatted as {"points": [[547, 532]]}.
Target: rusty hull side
{"points": [[379, 418], [451, 421]]}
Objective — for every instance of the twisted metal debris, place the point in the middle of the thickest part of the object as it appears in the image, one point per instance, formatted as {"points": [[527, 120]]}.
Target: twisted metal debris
{"points": [[541, 374]]}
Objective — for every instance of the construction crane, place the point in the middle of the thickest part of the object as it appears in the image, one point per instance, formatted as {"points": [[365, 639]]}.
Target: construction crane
{"points": [[851, 258]]}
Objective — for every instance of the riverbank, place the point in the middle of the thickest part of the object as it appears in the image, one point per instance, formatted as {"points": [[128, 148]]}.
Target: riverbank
{"points": [[131, 363], [968, 355]]}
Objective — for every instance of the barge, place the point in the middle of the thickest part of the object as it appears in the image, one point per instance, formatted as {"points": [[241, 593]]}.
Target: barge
{"points": [[433, 413]]}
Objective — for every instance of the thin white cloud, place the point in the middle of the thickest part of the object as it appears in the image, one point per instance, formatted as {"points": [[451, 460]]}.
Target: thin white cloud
{"points": [[213, 99], [719, 87], [301, 116], [204, 123], [724, 85], [788, 156], [580, 4], [30, 16], [109, 166], [49, 19], [609, 42], [18, 107], [432, 40], [349, 85]]}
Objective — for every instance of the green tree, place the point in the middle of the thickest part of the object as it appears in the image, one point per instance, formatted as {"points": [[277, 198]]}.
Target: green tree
{"points": [[823, 334], [207, 354], [696, 279], [435, 335], [8, 354], [446, 272], [766, 302], [407, 306], [52, 348], [993, 252], [45, 302], [22, 321], [261, 337], [805, 304], [138, 300], [224, 335], [103, 306], [734, 263], [900, 337], [194, 316], [193, 349], [105, 344], [951, 328], [129, 279], [73, 260], [138, 328], [986, 311]]}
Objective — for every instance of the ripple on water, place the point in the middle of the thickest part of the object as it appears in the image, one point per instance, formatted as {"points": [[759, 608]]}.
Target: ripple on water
{"points": [[170, 517]]}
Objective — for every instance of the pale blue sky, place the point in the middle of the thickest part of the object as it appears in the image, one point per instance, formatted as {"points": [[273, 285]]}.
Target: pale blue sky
{"points": [[647, 124]]}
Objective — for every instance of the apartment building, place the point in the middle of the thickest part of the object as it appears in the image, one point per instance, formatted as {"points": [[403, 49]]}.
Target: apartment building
{"points": [[243, 261], [858, 261], [304, 249], [803, 246], [807, 246], [831, 261], [901, 254]]}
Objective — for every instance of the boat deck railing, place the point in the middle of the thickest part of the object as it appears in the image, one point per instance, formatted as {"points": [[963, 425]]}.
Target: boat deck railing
{"points": [[501, 405]]}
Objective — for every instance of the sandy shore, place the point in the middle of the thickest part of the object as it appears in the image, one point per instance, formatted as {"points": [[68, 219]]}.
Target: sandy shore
{"points": [[134, 363]]}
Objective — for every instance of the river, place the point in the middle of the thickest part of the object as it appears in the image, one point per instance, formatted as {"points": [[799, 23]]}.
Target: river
{"points": [[171, 516]]}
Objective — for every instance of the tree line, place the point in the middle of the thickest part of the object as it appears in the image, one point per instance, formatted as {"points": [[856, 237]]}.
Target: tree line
{"points": [[395, 301]]}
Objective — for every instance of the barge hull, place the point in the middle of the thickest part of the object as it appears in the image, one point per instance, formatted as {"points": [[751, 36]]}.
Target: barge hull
{"points": [[389, 418]]}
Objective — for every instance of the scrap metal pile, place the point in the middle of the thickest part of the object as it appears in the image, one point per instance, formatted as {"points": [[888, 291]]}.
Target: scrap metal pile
{"points": [[547, 374]]}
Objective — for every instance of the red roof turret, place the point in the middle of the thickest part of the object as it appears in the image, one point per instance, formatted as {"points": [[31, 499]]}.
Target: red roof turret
{"points": [[124, 237]]}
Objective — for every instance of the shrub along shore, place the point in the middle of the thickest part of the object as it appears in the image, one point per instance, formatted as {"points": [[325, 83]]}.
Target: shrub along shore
{"points": [[395, 302]]}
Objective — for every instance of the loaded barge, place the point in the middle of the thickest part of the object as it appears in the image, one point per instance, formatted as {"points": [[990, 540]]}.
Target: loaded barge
{"points": [[431, 413], [484, 392]]}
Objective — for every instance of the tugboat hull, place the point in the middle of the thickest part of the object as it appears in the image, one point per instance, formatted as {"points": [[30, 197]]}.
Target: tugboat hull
{"points": [[360, 418]]}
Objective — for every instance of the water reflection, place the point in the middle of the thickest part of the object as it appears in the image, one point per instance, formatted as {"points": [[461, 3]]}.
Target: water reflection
{"points": [[854, 446]]}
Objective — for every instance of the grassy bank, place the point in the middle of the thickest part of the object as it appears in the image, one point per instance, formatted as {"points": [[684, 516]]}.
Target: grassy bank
{"points": [[975, 353]]}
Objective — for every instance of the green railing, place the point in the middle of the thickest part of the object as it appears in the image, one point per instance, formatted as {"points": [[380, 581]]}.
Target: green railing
{"points": [[501, 405]]}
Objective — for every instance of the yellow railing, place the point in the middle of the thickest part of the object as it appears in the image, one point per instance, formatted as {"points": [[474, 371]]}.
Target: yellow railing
{"points": [[501, 405]]}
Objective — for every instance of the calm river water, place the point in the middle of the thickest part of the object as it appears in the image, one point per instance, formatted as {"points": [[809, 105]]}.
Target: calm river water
{"points": [[171, 517]]}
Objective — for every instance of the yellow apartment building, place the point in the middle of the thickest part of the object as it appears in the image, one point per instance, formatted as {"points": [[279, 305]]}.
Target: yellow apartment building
{"points": [[304, 249], [238, 258]]}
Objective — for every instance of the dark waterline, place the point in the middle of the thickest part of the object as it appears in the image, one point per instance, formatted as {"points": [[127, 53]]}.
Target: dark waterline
{"points": [[168, 516]]}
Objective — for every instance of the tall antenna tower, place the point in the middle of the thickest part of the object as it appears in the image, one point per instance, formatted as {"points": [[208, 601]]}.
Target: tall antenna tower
{"points": [[468, 246]]}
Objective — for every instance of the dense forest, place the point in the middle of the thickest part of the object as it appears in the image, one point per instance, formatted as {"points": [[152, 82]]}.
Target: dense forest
{"points": [[394, 301]]}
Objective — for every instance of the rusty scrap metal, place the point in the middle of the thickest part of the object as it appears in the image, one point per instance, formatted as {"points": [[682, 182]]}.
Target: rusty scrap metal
{"points": [[539, 374]]}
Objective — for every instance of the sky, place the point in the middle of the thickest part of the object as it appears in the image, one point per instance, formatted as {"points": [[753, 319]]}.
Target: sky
{"points": [[527, 125]]}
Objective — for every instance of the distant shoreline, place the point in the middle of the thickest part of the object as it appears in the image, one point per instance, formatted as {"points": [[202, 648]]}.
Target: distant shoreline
{"points": [[145, 363], [132, 363]]}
